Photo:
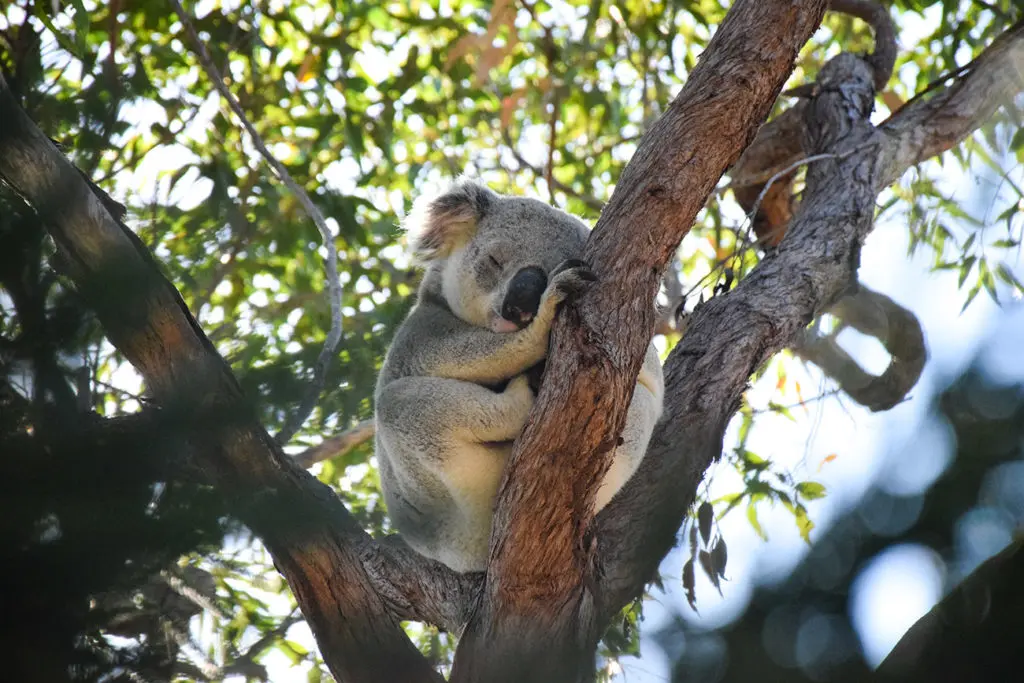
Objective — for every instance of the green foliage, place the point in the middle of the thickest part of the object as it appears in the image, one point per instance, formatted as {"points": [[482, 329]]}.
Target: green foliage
{"points": [[366, 104]]}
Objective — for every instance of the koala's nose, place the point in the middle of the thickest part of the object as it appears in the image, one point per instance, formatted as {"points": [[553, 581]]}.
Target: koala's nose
{"points": [[523, 296]]}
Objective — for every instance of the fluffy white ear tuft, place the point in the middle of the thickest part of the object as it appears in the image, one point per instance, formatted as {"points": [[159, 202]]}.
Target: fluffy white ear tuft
{"points": [[436, 224]]}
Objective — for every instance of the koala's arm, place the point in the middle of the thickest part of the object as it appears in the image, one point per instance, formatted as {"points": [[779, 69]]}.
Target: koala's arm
{"points": [[429, 413], [433, 342]]}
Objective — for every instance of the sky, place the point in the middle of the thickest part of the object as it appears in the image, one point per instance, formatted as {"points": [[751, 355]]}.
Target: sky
{"points": [[900, 585]]}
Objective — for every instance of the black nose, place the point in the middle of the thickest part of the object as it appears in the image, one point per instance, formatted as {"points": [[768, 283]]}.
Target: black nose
{"points": [[523, 296]]}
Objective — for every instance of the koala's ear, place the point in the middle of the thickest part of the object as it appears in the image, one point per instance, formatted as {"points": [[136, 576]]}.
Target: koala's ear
{"points": [[435, 225]]}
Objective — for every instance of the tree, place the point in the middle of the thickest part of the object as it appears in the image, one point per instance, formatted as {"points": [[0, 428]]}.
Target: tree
{"points": [[542, 607]]}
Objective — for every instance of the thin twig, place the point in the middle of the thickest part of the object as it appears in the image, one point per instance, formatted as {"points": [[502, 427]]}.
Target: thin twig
{"points": [[550, 58], [591, 202], [179, 586], [553, 126], [784, 172], [296, 419], [336, 446], [775, 408]]}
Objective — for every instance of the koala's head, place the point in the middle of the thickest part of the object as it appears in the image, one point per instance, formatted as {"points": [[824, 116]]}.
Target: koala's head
{"points": [[488, 255]]}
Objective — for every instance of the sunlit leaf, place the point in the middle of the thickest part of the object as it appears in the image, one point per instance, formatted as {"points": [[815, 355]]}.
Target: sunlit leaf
{"points": [[811, 490], [754, 522]]}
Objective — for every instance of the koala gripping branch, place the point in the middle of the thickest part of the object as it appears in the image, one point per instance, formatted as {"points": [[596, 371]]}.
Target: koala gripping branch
{"points": [[539, 614]]}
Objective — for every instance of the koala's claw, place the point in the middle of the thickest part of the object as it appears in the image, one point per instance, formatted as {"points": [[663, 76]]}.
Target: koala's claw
{"points": [[567, 264], [571, 278]]}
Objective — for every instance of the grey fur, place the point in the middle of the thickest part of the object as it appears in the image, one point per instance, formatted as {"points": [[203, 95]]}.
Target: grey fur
{"points": [[445, 422]]}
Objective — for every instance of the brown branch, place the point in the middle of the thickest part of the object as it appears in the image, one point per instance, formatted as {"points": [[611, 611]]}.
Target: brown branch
{"points": [[336, 446], [730, 336], [538, 619], [315, 543], [974, 628], [776, 147]]}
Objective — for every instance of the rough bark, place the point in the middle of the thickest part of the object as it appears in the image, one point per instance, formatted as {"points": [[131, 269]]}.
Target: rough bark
{"points": [[813, 267], [538, 619]]}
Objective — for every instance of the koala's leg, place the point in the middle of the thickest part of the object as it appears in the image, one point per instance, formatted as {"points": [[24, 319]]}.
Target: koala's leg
{"points": [[446, 443]]}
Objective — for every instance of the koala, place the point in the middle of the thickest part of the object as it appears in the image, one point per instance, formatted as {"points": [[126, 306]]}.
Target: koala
{"points": [[454, 390]]}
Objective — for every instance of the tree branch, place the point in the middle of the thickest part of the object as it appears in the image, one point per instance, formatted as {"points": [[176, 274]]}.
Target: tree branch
{"points": [[925, 128], [323, 361], [883, 57], [814, 266], [315, 542], [974, 628], [336, 446], [895, 327], [776, 153], [538, 620]]}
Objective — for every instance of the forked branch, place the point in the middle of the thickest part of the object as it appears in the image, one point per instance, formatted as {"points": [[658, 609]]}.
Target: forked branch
{"points": [[813, 267]]}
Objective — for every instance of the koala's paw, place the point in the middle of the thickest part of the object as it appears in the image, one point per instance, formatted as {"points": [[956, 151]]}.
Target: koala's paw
{"points": [[570, 279], [518, 389], [519, 399]]}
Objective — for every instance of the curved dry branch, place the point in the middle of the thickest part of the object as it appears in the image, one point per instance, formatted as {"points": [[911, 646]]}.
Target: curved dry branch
{"points": [[323, 361], [878, 316]]}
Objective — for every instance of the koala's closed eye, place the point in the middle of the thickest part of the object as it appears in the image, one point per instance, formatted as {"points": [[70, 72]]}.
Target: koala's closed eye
{"points": [[494, 261]]}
